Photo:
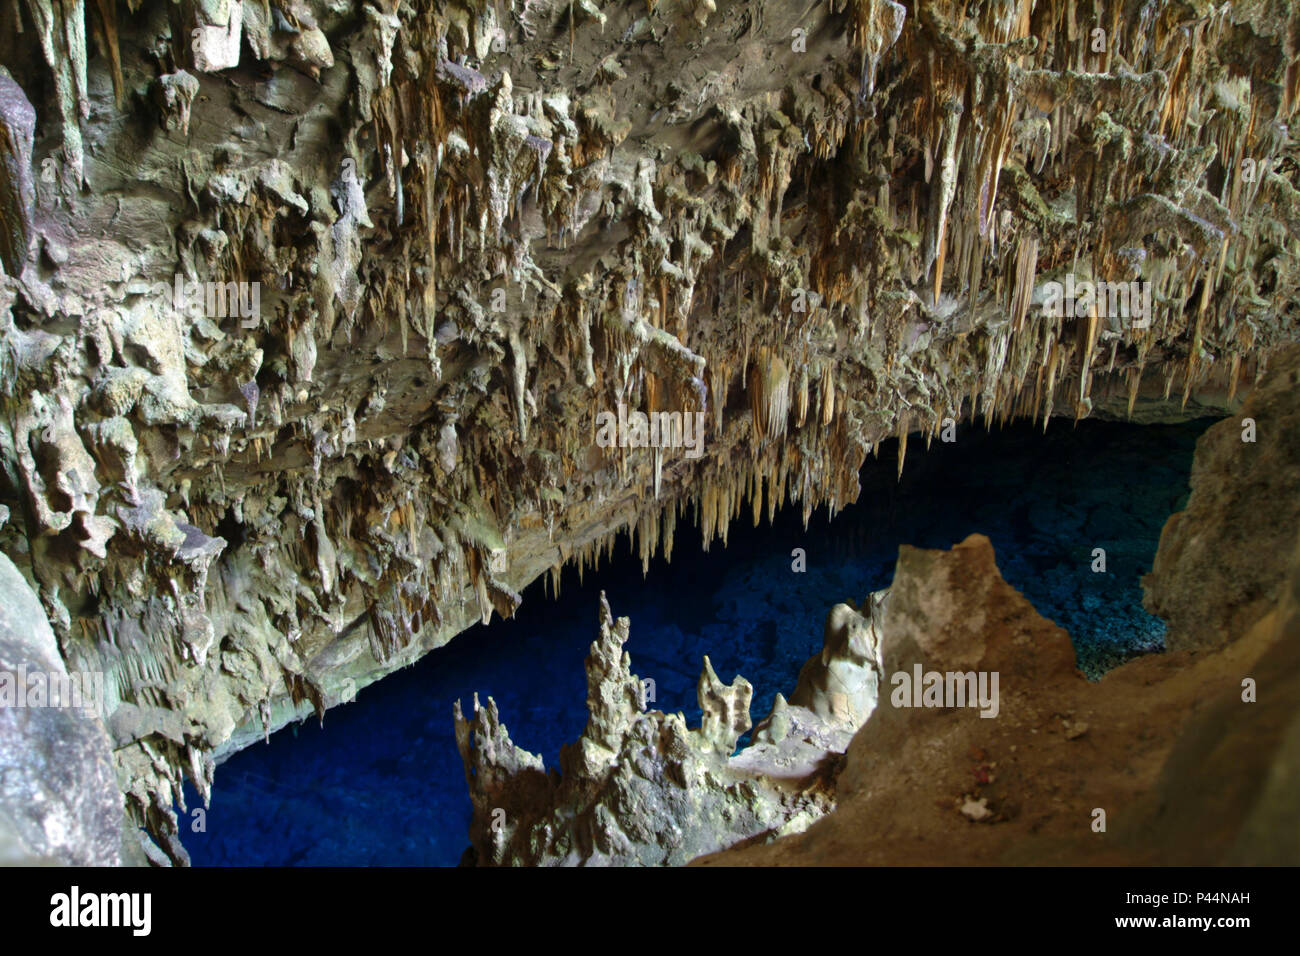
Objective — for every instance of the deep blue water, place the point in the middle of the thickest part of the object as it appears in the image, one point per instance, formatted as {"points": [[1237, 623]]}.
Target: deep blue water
{"points": [[382, 782]]}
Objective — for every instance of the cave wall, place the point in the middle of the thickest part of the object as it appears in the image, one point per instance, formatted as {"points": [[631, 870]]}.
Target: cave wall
{"points": [[1238, 531], [459, 232]]}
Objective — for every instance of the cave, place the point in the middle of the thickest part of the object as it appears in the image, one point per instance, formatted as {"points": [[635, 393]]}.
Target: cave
{"points": [[354, 790], [863, 433]]}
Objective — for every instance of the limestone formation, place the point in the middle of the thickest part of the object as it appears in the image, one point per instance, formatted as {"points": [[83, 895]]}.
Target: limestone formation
{"points": [[639, 787], [309, 309], [843, 683], [725, 709]]}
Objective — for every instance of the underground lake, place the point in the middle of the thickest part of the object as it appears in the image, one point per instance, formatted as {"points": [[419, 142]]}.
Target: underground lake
{"points": [[381, 783]]}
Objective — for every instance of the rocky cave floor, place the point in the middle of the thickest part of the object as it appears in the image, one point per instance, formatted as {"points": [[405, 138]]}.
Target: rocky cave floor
{"points": [[380, 782], [1164, 745]]}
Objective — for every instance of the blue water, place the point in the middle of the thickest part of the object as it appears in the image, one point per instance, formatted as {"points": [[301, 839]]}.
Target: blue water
{"points": [[382, 782]]}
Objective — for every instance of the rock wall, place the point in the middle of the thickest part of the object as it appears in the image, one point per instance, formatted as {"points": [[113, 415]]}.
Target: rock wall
{"points": [[309, 308], [59, 801], [1236, 535]]}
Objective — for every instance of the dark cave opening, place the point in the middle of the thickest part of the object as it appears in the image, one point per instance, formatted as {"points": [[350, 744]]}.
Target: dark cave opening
{"points": [[232, 529]]}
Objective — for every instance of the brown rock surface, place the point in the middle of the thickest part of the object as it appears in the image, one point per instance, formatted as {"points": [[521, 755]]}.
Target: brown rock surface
{"points": [[1223, 560], [1186, 772]]}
